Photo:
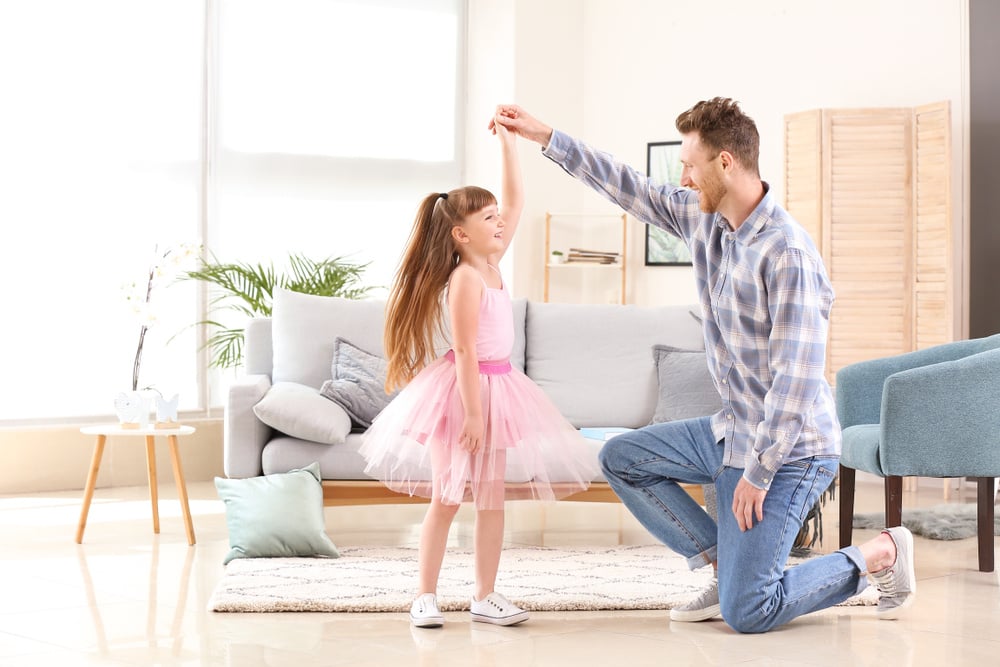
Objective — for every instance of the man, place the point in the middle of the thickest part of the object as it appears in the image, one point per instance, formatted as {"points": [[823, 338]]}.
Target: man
{"points": [[774, 446]]}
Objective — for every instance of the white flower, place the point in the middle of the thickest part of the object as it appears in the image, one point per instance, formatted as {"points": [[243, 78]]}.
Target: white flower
{"points": [[133, 293], [164, 266], [146, 313]]}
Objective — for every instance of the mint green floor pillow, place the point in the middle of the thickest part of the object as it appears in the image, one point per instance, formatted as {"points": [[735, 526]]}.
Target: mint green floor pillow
{"points": [[275, 516]]}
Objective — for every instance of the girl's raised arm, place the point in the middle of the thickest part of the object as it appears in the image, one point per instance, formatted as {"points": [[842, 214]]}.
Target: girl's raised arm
{"points": [[512, 185]]}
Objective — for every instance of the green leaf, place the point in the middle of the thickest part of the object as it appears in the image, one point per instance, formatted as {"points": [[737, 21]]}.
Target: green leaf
{"points": [[248, 289]]}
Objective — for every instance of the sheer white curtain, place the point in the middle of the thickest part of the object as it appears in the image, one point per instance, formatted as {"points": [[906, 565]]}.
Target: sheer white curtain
{"points": [[329, 120], [333, 120], [99, 148]]}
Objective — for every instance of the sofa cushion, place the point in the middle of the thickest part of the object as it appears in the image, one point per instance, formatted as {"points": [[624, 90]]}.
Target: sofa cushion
{"points": [[301, 412], [520, 308], [358, 383], [593, 361], [685, 386], [282, 454], [304, 328]]}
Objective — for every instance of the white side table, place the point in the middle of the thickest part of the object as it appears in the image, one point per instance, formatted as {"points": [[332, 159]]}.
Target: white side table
{"points": [[102, 432]]}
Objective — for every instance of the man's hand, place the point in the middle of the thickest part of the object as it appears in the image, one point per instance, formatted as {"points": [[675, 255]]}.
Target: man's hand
{"points": [[519, 122], [748, 501], [501, 131]]}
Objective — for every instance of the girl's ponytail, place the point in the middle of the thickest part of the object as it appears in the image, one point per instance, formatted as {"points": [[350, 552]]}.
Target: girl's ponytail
{"points": [[414, 311]]}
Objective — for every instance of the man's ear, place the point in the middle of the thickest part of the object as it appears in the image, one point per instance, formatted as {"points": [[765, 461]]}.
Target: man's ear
{"points": [[727, 160], [459, 234]]}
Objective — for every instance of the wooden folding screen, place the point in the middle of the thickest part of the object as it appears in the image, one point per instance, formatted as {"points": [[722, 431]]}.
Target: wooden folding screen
{"points": [[872, 187], [935, 269]]}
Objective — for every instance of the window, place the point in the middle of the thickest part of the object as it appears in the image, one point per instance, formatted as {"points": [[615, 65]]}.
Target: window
{"points": [[334, 120], [100, 137], [328, 121]]}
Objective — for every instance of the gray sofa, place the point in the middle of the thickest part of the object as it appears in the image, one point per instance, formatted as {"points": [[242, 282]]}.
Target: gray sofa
{"points": [[601, 365]]}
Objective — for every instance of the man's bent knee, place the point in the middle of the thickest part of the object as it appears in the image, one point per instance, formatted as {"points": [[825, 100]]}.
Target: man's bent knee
{"points": [[746, 618], [607, 456]]}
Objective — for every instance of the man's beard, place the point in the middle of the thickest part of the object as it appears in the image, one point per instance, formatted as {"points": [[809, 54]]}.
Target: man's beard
{"points": [[711, 191]]}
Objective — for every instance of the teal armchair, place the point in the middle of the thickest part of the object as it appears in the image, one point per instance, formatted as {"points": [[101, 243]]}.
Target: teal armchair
{"points": [[930, 413]]}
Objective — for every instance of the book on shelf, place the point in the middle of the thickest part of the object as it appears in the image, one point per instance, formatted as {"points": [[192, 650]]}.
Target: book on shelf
{"points": [[603, 432], [594, 253], [592, 256]]}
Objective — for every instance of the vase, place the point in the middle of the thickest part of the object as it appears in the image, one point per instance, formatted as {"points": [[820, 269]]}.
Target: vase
{"points": [[166, 411], [132, 408]]}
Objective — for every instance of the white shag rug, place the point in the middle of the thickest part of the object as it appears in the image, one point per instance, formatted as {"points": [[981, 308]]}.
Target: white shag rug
{"points": [[537, 578], [952, 521]]}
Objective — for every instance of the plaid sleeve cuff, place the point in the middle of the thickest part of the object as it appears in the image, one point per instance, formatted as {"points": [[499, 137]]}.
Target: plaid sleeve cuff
{"points": [[558, 146]]}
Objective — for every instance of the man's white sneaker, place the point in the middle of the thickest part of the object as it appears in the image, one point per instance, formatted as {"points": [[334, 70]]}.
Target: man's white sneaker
{"points": [[498, 610], [702, 608], [424, 612], [897, 584]]}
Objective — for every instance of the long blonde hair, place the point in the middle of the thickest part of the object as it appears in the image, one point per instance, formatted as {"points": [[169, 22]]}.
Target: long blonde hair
{"points": [[414, 311]]}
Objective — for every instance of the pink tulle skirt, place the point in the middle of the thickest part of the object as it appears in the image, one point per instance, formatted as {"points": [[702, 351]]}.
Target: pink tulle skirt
{"points": [[530, 450]]}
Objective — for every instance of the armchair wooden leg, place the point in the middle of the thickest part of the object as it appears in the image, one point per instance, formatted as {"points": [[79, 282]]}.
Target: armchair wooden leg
{"points": [[984, 522], [893, 501], [846, 506]]}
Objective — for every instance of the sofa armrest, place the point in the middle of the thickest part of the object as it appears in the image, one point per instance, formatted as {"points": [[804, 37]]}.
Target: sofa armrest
{"points": [[245, 435]]}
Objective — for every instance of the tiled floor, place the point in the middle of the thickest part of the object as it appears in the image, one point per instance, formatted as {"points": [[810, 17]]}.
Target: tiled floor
{"points": [[127, 597]]}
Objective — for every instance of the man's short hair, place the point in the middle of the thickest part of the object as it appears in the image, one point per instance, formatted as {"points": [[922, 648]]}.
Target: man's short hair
{"points": [[722, 126]]}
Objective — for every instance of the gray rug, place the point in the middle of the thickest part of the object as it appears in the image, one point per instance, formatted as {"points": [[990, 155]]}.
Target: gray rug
{"points": [[537, 578], [954, 521]]}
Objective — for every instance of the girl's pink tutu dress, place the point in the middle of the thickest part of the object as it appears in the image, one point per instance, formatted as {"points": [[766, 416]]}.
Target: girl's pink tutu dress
{"points": [[412, 446]]}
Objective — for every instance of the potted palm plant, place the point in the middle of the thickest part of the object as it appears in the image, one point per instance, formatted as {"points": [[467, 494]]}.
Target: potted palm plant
{"points": [[247, 289]]}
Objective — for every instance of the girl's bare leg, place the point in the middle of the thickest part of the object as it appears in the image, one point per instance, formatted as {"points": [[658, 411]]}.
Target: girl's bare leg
{"points": [[489, 522], [433, 541], [489, 542]]}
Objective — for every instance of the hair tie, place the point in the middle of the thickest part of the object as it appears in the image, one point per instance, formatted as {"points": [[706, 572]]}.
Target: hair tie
{"points": [[443, 195]]}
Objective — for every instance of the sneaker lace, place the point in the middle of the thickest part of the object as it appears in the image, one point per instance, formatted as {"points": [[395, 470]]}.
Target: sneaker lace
{"points": [[885, 581], [704, 598]]}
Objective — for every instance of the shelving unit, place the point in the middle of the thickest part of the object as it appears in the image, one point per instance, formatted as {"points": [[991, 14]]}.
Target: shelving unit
{"points": [[585, 220]]}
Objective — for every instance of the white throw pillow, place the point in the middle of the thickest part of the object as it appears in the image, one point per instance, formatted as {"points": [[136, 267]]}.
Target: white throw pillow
{"points": [[301, 412]]}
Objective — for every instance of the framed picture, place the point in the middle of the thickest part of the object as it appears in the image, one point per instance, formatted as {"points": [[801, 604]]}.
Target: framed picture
{"points": [[663, 165]]}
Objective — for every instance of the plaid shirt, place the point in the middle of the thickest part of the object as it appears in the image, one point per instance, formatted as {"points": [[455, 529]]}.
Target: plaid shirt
{"points": [[765, 300]]}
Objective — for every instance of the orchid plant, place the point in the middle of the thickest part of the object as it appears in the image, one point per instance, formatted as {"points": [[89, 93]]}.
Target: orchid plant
{"points": [[166, 265]]}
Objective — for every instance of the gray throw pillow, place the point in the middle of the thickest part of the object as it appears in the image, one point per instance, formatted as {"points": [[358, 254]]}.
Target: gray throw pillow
{"points": [[686, 388], [358, 383]]}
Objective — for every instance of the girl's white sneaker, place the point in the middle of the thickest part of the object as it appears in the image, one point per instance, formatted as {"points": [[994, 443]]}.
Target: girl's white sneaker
{"points": [[424, 612], [498, 610]]}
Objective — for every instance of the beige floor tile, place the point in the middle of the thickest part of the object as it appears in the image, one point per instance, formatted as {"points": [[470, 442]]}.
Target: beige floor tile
{"points": [[129, 597]]}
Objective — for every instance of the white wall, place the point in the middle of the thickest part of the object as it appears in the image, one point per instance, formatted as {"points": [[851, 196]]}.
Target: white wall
{"points": [[617, 72]]}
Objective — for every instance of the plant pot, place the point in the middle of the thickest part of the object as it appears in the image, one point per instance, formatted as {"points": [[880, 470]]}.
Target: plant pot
{"points": [[133, 408]]}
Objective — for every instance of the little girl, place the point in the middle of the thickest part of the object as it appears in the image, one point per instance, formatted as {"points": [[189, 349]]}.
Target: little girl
{"points": [[467, 420]]}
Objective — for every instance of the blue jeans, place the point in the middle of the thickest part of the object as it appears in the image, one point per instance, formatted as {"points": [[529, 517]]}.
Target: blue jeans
{"points": [[756, 593]]}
